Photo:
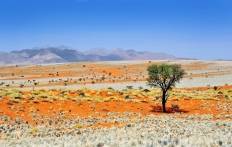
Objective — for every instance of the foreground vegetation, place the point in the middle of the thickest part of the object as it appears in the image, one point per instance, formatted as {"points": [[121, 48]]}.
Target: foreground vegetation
{"points": [[164, 130], [108, 117], [109, 94]]}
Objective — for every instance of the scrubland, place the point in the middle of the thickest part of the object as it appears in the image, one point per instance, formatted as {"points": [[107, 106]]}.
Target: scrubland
{"points": [[55, 105]]}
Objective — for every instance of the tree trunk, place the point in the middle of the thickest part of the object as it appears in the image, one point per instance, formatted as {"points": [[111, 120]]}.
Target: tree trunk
{"points": [[164, 101]]}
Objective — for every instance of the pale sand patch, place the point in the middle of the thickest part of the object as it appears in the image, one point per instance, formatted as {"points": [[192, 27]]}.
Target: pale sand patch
{"points": [[186, 82]]}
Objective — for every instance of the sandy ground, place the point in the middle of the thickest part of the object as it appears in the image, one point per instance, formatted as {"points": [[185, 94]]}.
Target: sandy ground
{"points": [[68, 109], [196, 82], [199, 73]]}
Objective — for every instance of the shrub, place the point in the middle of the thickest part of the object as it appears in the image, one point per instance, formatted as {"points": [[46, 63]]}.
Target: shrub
{"points": [[176, 99], [34, 130], [127, 97], [78, 126], [140, 87], [110, 88], [134, 119], [146, 90], [215, 87], [129, 87]]}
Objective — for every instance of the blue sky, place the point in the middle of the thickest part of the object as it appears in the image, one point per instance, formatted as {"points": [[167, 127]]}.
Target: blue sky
{"points": [[199, 29]]}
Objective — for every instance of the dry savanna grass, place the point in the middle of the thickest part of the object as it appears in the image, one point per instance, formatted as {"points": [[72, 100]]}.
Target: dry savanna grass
{"points": [[84, 102]]}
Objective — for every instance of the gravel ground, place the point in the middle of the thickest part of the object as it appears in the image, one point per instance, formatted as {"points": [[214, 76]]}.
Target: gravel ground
{"points": [[152, 131]]}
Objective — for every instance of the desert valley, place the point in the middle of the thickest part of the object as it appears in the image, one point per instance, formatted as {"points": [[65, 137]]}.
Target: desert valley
{"points": [[108, 103], [115, 73]]}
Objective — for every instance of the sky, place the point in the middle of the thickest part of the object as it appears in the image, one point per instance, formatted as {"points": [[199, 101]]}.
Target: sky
{"points": [[200, 29]]}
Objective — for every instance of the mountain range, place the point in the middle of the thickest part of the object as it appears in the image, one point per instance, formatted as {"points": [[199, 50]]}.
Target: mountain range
{"points": [[64, 54]]}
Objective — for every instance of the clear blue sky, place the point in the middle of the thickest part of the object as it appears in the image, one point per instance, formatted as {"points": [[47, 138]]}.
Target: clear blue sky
{"points": [[200, 29]]}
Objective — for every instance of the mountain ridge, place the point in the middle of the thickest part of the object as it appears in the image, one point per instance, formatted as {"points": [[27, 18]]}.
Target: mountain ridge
{"points": [[62, 54]]}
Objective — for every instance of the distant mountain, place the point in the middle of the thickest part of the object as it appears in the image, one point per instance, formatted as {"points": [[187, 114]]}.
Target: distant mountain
{"points": [[64, 54], [120, 54], [222, 60]]}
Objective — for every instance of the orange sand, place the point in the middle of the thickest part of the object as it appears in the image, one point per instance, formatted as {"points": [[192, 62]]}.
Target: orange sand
{"points": [[86, 108]]}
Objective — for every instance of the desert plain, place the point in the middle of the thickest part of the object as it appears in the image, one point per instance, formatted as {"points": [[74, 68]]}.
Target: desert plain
{"points": [[109, 104]]}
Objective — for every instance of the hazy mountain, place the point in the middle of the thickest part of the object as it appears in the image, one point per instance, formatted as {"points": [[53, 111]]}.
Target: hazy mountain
{"points": [[98, 51], [63, 54], [120, 54]]}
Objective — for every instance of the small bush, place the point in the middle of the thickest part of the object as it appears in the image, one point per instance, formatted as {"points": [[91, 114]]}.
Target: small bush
{"points": [[33, 130], [129, 87], [140, 87], [215, 87], [135, 120], [176, 99], [78, 126]]}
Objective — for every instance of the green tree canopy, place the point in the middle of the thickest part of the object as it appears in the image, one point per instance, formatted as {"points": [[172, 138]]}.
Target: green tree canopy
{"points": [[164, 76]]}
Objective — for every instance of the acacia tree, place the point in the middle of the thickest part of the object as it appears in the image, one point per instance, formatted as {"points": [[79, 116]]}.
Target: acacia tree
{"points": [[164, 76]]}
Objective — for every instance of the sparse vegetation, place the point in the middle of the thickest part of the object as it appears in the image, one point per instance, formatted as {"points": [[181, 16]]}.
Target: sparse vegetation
{"points": [[73, 115]]}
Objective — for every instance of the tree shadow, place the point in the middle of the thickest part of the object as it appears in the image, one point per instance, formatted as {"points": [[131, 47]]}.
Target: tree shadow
{"points": [[159, 109]]}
